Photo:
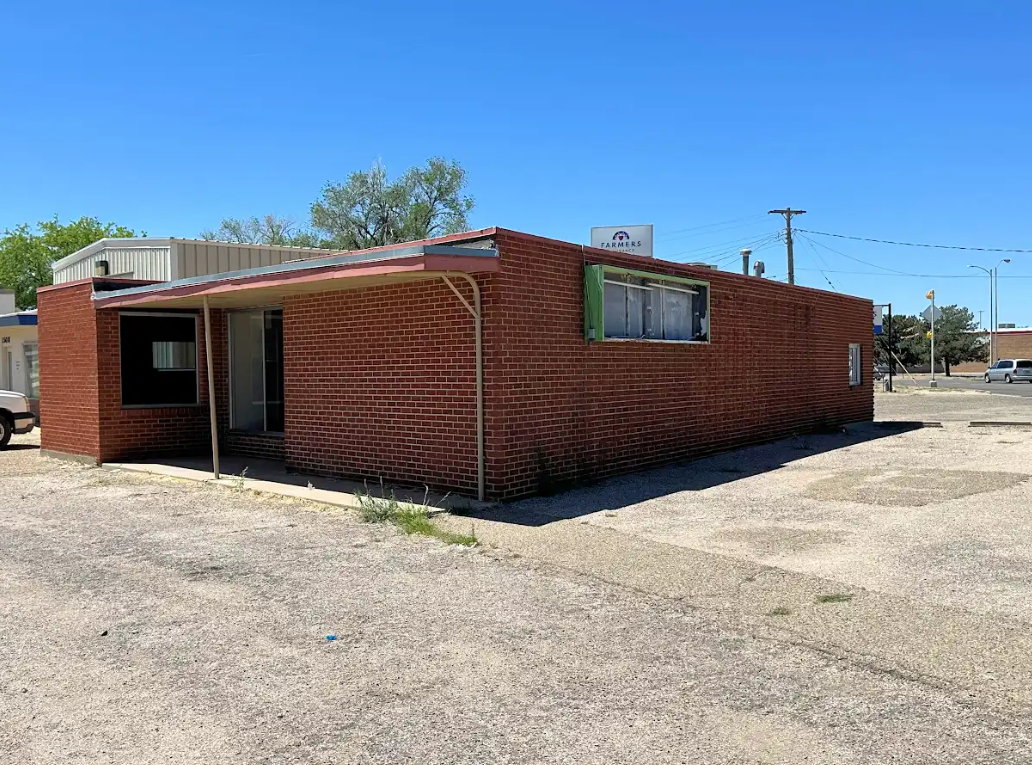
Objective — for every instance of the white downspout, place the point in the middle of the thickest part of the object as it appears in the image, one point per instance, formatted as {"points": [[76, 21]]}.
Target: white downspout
{"points": [[478, 327]]}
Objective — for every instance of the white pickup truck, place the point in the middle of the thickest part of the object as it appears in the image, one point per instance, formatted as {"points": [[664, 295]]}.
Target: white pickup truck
{"points": [[15, 416]]}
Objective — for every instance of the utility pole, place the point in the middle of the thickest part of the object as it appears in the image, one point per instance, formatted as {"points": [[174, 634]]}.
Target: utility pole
{"points": [[788, 212]]}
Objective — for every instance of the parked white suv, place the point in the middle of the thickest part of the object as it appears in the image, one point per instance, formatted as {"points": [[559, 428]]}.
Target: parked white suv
{"points": [[15, 416]]}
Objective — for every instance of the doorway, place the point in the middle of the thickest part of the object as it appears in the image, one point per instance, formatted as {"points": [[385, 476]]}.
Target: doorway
{"points": [[256, 370], [7, 383]]}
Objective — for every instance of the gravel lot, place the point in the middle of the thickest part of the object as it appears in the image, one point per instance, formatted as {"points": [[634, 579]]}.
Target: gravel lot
{"points": [[146, 620]]}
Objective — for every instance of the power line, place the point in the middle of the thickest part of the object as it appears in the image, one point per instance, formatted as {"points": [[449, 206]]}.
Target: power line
{"points": [[726, 256], [756, 247], [850, 257], [697, 234], [723, 246], [720, 248], [913, 244], [919, 276], [825, 275], [710, 225]]}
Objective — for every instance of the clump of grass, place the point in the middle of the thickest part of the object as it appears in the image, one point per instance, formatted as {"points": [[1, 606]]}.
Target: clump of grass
{"points": [[780, 611], [238, 480], [412, 519], [835, 597]]}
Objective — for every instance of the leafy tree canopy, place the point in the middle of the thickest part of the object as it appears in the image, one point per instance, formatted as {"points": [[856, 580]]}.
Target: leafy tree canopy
{"points": [[957, 340], [368, 210], [269, 229], [27, 254]]}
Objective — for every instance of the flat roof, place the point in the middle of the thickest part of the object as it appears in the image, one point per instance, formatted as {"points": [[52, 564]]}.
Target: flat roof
{"points": [[19, 319], [151, 242], [403, 262]]}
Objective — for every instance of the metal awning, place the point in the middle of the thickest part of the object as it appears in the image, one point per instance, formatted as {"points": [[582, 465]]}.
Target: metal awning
{"points": [[271, 284]]}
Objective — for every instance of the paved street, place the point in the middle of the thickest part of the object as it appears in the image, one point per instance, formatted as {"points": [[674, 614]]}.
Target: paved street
{"points": [[967, 383]]}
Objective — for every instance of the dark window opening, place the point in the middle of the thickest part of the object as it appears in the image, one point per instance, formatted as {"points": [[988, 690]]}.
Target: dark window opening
{"points": [[158, 360]]}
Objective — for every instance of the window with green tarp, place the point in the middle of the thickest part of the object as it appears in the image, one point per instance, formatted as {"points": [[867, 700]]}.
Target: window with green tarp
{"points": [[625, 304]]}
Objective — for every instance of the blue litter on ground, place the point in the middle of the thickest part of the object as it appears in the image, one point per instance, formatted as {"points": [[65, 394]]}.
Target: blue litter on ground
{"points": [[331, 637]]}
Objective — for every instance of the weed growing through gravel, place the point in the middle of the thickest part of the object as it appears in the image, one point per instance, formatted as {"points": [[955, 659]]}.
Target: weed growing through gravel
{"points": [[408, 518], [780, 611], [835, 597]]}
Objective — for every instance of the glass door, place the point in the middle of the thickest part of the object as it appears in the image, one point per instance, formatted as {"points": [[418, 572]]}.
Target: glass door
{"points": [[256, 370]]}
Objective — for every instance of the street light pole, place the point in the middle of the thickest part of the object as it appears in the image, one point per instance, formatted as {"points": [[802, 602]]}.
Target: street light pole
{"points": [[990, 274], [996, 287]]}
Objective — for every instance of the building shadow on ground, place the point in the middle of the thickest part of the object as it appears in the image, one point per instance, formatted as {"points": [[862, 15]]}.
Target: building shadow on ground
{"points": [[696, 475]]}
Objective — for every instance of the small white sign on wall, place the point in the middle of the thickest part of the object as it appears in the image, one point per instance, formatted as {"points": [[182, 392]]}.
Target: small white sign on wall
{"points": [[636, 240]]}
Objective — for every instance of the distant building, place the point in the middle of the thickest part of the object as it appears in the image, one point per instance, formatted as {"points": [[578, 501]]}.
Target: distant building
{"points": [[19, 349]]}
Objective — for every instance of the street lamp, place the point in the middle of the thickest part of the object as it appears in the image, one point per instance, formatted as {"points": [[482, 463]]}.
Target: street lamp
{"points": [[996, 286], [994, 307], [990, 274]]}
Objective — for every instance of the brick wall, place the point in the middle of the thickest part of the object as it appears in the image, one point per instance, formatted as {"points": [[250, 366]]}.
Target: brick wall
{"points": [[1014, 345], [132, 434], [80, 385], [561, 410], [381, 382], [68, 369], [264, 445]]}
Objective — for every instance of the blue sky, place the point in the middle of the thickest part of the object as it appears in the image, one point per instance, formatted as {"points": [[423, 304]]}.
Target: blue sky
{"points": [[905, 121]]}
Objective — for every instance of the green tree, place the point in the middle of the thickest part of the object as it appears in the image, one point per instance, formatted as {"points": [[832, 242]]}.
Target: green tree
{"points": [[957, 338], [27, 254], [269, 229], [907, 342], [370, 210]]}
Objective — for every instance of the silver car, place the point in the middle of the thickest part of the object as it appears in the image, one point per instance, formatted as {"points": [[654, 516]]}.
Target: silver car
{"points": [[1010, 370]]}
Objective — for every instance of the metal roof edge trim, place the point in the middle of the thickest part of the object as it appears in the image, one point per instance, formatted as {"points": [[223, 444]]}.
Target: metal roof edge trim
{"points": [[304, 265], [23, 319], [136, 242], [148, 242]]}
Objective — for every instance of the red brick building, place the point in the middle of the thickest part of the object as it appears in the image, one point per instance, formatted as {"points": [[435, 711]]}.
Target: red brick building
{"points": [[582, 364]]}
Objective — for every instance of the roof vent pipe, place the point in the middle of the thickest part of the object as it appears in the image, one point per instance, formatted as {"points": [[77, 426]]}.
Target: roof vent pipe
{"points": [[745, 261], [100, 268], [758, 268]]}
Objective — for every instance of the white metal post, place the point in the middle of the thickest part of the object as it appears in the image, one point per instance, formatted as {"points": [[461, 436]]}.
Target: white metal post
{"points": [[931, 294], [208, 353]]}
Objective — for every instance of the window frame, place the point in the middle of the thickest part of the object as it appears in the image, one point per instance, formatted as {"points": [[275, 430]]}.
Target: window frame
{"points": [[594, 302], [197, 361], [34, 344], [856, 371]]}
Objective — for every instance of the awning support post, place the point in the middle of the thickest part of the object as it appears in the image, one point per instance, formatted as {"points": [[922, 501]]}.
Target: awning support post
{"points": [[478, 328], [211, 389]]}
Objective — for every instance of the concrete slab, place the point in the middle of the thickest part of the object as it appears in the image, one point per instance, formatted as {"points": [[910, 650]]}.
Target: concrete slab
{"points": [[271, 477]]}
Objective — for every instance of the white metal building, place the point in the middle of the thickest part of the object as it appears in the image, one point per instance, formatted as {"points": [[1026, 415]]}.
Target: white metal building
{"points": [[19, 348], [166, 259]]}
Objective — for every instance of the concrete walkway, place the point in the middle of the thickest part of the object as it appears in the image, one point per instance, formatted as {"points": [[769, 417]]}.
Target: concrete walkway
{"points": [[272, 477]]}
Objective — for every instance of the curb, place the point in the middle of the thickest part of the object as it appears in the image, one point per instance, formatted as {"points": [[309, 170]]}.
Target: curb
{"points": [[998, 424]]}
